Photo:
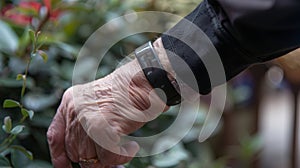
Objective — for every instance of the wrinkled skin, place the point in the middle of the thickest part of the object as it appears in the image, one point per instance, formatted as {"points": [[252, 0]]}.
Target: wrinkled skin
{"points": [[92, 118]]}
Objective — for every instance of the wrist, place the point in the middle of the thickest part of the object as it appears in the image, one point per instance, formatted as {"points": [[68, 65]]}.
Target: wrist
{"points": [[156, 73], [163, 57]]}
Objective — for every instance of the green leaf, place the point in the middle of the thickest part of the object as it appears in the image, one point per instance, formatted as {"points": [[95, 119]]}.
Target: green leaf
{"points": [[43, 55], [4, 161], [18, 158], [9, 39], [8, 103], [31, 35], [7, 124], [13, 83], [26, 113], [20, 76], [3, 128], [17, 129], [27, 153]]}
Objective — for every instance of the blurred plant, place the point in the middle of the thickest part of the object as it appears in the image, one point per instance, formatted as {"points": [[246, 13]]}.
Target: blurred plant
{"points": [[24, 14], [250, 146], [6, 146]]}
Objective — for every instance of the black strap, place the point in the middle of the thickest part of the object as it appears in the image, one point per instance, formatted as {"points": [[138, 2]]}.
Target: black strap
{"points": [[156, 75]]}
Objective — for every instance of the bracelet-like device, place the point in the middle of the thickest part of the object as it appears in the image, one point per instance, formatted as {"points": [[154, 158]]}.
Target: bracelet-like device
{"points": [[155, 74]]}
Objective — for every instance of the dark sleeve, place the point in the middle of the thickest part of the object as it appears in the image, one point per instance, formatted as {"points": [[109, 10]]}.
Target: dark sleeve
{"points": [[243, 32]]}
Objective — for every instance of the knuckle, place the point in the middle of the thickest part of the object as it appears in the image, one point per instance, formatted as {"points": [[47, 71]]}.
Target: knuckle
{"points": [[68, 102], [68, 94], [50, 136]]}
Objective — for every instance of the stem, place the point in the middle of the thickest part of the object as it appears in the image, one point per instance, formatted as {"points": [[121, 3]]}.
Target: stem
{"points": [[9, 140], [6, 143], [25, 79], [43, 22], [22, 119], [39, 28]]}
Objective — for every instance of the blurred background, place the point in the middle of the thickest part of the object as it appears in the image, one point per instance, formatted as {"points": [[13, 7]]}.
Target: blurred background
{"points": [[39, 43]]}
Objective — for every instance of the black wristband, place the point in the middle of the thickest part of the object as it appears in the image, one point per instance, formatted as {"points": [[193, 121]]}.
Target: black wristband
{"points": [[155, 73]]}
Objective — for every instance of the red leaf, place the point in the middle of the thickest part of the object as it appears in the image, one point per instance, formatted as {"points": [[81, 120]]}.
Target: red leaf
{"points": [[11, 12], [20, 19], [30, 5], [15, 17]]}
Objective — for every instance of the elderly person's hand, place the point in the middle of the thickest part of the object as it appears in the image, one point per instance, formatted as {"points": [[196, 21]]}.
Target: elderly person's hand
{"points": [[92, 118]]}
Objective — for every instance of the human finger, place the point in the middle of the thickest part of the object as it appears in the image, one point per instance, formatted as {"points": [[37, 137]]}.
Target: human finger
{"points": [[56, 140]]}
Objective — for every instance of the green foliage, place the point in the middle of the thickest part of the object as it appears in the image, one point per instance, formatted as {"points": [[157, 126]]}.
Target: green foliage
{"points": [[4, 161], [8, 103], [43, 55], [9, 39], [7, 145], [7, 124], [17, 129], [250, 146], [27, 113], [27, 153]]}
